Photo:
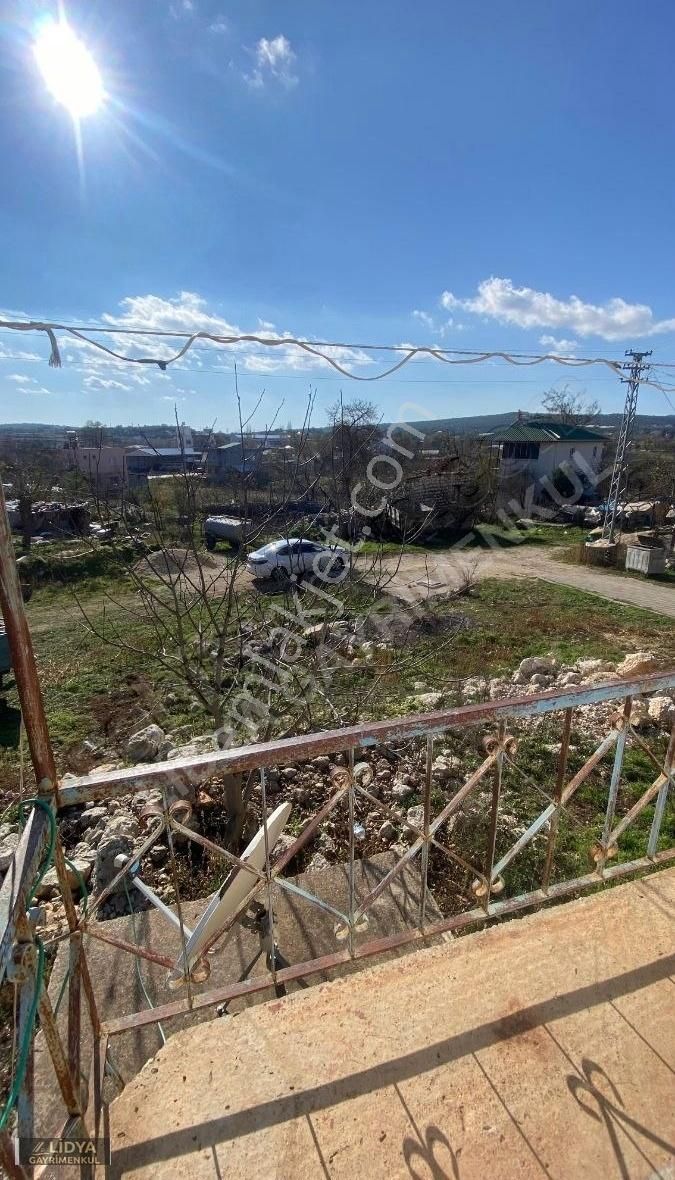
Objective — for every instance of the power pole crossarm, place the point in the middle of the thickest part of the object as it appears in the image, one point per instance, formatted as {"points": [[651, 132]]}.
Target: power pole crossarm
{"points": [[617, 488]]}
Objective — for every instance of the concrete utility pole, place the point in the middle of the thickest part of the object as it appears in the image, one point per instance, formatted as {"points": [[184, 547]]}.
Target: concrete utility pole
{"points": [[617, 487]]}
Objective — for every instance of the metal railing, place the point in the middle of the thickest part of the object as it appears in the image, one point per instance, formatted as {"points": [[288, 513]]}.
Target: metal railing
{"points": [[483, 870]]}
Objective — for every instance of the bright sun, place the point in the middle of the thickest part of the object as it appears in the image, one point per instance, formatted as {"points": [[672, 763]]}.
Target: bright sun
{"points": [[69, 70]]}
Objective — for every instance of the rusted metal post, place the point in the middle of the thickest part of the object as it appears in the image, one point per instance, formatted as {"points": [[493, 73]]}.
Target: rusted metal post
{"points": [[494, 816], [559, 785], [33, 712], [7, 1159], [25, 1107], [350, 908], [176, 889], [669, 766], [57, 1054], [424, 857], [23, 657], [75, 1014]]}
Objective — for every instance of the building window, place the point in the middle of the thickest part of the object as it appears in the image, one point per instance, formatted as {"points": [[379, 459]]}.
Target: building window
{"points": [[520, 450]]}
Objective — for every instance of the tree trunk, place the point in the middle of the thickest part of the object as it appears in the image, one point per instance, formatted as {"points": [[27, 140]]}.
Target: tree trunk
{"points": [[26, 521]]}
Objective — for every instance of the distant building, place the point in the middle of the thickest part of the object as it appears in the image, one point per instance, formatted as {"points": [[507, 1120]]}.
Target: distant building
{"points": [[246, 454], [537, 447], [144, 461], [104, 468]]}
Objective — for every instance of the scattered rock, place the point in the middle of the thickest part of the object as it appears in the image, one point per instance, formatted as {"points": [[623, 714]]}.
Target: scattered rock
{"points": [[49, 884], [104, 868], [144, 745], [164, 749], [533, 664], [103, 768], [639, 715], [387, 831], [322, 762], [662, 711], [587, 667], [159, 854], [318, 863], [570, 678], [198, 745], [284, 843], [427, 700], [596, 678], [91, 816], [400, 790], [415, 816], [7, 849], [290, 773], [639, 663], [327, 844], [123, 824]]}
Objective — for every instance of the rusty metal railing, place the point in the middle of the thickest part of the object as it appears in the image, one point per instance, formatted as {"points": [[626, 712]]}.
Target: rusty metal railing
{"points": [[349, 788], [484, 869]]}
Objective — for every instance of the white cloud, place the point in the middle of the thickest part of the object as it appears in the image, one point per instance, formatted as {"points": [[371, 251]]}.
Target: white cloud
{"points": [[181, 8], [19, 379], [189, 312], [93, 382], [14, 354], [498, 299], [425, 318], [274, 61], [556, 344], [219, 26]]}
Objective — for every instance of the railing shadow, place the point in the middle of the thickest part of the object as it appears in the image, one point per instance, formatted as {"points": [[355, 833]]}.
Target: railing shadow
{"points": [[590, 1093], [283, 1109]]}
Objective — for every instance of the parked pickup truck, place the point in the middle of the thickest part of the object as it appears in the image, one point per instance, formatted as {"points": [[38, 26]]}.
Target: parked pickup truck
{"points": [[225, 528]]}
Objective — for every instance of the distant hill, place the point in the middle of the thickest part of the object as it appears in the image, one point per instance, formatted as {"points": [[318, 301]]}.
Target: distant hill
{"points": [[473, 424], [482, 423]]}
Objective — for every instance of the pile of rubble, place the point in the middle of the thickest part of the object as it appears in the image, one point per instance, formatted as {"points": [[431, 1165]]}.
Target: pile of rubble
{"points": [[538, 674], [97, 834]]}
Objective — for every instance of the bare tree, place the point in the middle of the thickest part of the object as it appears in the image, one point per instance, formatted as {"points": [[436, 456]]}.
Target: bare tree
{"points": [[353, 427], [573, 409], [31, 470], [267, 661]]}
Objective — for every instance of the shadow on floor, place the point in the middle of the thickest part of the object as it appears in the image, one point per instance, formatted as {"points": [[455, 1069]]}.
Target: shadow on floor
{"points": [[427, 1145]]}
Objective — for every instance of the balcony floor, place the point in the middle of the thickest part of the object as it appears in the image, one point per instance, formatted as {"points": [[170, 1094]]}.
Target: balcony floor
{"points": [[544, 1046]]}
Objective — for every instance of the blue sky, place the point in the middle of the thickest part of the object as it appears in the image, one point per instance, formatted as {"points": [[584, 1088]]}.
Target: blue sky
{"points": [[492, 174]]}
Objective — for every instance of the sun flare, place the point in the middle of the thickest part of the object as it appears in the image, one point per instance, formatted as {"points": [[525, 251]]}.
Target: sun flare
{"points": [[69, 70]]}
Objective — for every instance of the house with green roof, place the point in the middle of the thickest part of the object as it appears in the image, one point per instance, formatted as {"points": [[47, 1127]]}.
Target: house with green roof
{"points": [[537, 447]]}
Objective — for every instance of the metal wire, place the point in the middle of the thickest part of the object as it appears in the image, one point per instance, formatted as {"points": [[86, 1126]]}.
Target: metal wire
{"points": [[447, 356]]}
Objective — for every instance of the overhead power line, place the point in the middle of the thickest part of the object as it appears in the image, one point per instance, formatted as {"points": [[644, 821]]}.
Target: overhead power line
{"points": [[447, 356]]}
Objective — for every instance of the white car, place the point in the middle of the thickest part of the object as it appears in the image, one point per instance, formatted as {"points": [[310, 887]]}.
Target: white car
{"points": [[281, 559]]}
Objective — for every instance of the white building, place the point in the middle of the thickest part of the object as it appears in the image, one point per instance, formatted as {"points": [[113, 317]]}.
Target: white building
{"points": [[537, 447]]}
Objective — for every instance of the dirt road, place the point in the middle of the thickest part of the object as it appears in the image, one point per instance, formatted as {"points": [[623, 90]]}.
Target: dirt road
{"points": [[419, 576]]}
